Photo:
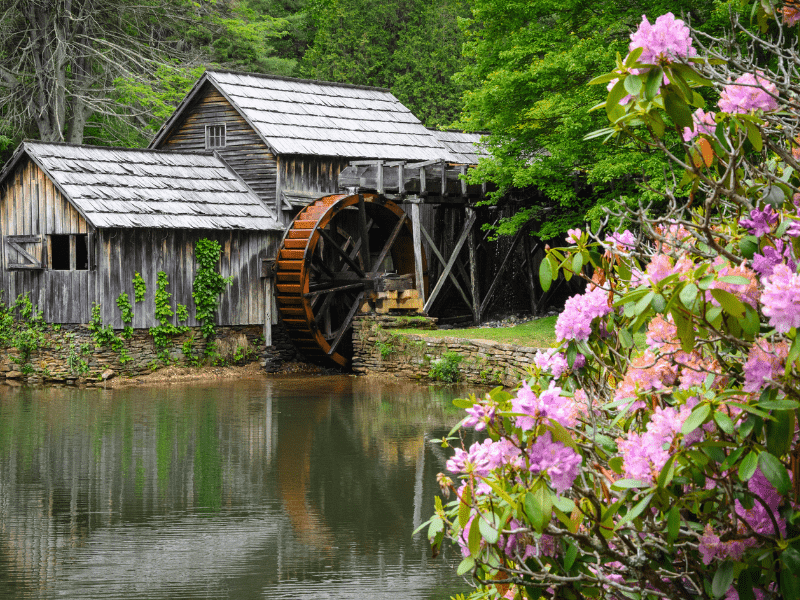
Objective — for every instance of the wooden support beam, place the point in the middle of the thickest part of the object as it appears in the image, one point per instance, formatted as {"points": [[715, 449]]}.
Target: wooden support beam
{"points": [[443, 175], [346, 325], [474, 283], [364, 228], [269, 285], [379, 187], [401, 178], [531, 275], [416, 227], [463, 173], [353, 264], [438, 255], [448, 267], [488, 298], [389, 243]]}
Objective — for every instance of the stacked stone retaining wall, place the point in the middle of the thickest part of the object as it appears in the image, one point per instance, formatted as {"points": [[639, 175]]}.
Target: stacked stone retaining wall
{"points": [[69, 354], [381, 347]]}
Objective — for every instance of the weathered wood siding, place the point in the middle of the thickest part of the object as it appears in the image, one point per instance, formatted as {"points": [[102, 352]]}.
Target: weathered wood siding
{"points": [[310, 173], [123, 252], [244, 150], [31, 205]]}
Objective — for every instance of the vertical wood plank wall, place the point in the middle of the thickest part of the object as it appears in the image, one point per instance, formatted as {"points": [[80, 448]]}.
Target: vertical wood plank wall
{"points": [[311, 173], [123, 252], [31, 205], [244, 151]]}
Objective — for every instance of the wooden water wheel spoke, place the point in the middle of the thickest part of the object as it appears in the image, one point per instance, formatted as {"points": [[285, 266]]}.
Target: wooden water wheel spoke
{"points": [[335, 268]]}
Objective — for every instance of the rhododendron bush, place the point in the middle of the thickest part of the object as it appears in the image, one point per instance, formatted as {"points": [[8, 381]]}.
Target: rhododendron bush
{"points": [[653, 453]]}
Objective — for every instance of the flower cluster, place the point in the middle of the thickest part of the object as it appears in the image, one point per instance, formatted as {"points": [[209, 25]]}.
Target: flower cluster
{"points": [[748, 93], [575, 322], [665, 41], [704, 122]]}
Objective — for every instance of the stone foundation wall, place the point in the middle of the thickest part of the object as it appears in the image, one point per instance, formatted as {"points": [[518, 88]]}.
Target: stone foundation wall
{"points": [[382, 347], [69, 354]]}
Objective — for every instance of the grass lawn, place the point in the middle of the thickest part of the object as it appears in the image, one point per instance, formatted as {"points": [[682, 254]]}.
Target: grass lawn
{"points": [[538, 334]]}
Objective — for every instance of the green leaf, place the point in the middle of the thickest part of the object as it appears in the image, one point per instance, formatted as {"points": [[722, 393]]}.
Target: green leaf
{"points": [[436, 526], [780, 432], [577, 263], [678, 110], [655, 78], [616, 94], [667, 472], [489, 530], [635, 511], [545, 275], [754, 136], [632, 57], [751, 324], [659, 303], [633, 85], [775, 472], [570, 555], [723, 579], [564, 504], [724, 422], [625, 484], [685, 330], [465, 566], [464, 509], [474, 539], [779, 404], [561, 434], [730, 303], [644, 303], [534, 511], [603, 78], [698, 416], [794, 352], [688, 295], [673, 524], [749, 246]]}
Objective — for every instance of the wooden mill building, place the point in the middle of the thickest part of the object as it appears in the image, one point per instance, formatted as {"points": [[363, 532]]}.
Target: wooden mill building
{"points": [[290, 138], [241, 155], [79, 221]]}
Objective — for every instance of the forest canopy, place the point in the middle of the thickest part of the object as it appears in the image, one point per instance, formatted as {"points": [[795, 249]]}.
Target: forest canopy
{"points": [[110, 72]]}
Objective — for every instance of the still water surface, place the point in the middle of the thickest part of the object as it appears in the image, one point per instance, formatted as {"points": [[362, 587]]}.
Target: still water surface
{"points": [[294, 487]]}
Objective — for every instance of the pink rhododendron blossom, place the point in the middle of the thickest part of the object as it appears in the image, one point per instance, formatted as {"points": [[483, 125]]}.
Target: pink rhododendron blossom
{"points": [[711, 547], [664, 41], [760, 517], [760, 222], [781, 298], [551, 361], [771, 257], [749, 92], [575, 321], [765, 361], [703, 123], [560, 462], [573, 236], [480, 415], [550, 404], [625, 240], [645, 373], [644, 455], [660, 332]]}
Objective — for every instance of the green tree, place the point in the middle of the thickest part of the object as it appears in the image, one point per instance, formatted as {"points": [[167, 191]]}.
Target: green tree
{"points": [[527, 65], [409, 46]]}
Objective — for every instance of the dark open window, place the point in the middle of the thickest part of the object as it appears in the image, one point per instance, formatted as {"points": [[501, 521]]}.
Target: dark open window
{"points": [[215, 136], [59, 252], [69, 252]]}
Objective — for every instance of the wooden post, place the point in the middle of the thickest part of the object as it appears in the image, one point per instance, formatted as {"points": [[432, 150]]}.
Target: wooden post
{"points": [[453, 257], [379, 186], [531, 275], [268, 311], [416, 227], [401, 179], [474, 283], [443, 168]]}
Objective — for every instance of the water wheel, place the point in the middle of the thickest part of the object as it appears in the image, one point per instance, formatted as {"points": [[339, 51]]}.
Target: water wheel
{"points": [[337, 251]]}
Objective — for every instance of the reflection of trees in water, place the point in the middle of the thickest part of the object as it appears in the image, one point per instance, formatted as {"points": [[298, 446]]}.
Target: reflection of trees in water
{"points": [[345, 451]]}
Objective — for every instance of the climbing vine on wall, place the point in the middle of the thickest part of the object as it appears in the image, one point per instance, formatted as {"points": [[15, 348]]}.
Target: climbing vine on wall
{"points": [[126, 310], [139, 287], [164, 313], [208, 285]]}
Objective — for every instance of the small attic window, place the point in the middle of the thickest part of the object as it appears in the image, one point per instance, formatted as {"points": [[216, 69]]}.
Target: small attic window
{"points": [[215, 136]]}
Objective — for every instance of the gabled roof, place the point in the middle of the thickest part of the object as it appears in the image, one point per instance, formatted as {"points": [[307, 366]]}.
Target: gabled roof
{"points": [[298, 116], [120, 187], [464, 148]]}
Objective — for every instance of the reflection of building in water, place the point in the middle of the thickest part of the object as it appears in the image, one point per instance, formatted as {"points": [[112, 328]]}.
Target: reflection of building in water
{"points": [[192, 486]]}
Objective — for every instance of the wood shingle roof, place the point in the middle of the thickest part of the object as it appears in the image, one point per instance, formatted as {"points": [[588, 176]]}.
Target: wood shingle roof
{"points": [[296, 116], [464, 148], [117, 187]]}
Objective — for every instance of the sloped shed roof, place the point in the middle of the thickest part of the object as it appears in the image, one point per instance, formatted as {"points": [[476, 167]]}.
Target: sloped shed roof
{"points": [[464, 148], [118, 187], [297, 116]]}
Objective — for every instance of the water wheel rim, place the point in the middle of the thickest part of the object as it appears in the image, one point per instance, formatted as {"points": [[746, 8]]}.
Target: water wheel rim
{"points": [[308, 225]]}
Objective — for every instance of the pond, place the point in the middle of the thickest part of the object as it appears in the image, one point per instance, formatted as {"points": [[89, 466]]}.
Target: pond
{"points": [[285, 487]]}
